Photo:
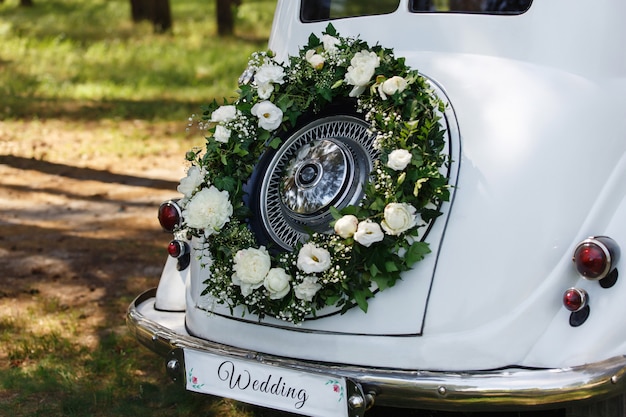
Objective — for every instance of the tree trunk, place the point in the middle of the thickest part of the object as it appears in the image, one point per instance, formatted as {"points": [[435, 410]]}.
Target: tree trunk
{"points": [[156, 11], [226, 17], [26, 3]]}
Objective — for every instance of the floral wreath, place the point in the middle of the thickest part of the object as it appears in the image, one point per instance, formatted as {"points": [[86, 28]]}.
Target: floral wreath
{"points": [[373, 242]]}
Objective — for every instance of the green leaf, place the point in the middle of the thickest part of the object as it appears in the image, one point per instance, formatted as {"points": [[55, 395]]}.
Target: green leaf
{"points": [[373, 269], [330, 30], [313, 40], [361, 299], [381, 282], [416, 252], [275, 143], [390, 266]]}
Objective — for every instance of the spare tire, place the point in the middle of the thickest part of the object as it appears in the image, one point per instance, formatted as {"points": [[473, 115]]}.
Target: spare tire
{"points": [[324, 162]]}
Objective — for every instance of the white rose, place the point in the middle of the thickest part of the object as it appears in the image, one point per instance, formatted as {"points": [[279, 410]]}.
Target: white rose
{"points": [[360, 72], [391, 86], [224, 114], [194, 178], [270, 116], [222, 134], [277, 283], [316, 60], [365, 58], [265, 90], [312, 259], [346, 226], [250, 268], [330, 43], [307, 289], [399, 217], [208, 209], [368, 232], [269, 73], [399, 159]]}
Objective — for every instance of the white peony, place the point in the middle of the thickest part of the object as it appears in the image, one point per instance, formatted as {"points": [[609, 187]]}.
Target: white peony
{"points": [[269, 73], [208, 209], [312, 259], [315, 59], [399, 159], [222, 134], [368, 232], [330, 43], [189, 184], [361, 70], [270, 116], [277, 283], [399, 217], [224, 114], [346, 226], [250, 268], [265, 90], [307, 289]]}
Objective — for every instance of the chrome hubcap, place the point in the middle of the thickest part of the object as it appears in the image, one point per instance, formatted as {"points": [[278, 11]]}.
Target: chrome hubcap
{"points": [[324, 164]]}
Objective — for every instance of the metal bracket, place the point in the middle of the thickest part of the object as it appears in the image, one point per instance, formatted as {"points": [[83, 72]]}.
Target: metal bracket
{"points": [[175, 366]]}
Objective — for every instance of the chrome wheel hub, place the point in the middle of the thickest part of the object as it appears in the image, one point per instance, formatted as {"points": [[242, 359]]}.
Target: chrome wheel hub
{"points": [[325, 164]]}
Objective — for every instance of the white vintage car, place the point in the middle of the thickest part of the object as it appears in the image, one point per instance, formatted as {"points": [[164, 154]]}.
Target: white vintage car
{"points": [[519, 303]]}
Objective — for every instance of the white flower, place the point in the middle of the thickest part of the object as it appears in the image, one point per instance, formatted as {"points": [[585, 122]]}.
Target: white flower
{"points": [[250, 268], [360, 72], [316, 60], [224, 114], [222, 134], [194, 178], [265, 90], [269, 73], [277, 283], [391, 86], [270, 116], [330, 43], [208, 209], [368, 232], [307, 289], [313, 259], [399, 217], [399, 159], [346, 226]]}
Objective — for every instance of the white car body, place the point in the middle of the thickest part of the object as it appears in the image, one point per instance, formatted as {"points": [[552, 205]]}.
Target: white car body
{"points": [[536, 127]]}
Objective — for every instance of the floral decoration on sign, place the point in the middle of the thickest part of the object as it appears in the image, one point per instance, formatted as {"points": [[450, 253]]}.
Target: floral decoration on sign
{"points": [[373, 242]]}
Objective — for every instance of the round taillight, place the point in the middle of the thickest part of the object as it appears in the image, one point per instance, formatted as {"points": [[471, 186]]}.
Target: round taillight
{"points": [[169, 216], [596, 257], [575, 299], [177, 248]]}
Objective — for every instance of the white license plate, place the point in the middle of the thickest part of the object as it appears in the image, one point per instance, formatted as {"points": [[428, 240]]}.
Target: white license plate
{"points": [[262, 384]]}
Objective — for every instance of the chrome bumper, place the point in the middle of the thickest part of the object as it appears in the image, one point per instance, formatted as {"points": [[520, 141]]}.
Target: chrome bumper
{"points": [[505, 389]]}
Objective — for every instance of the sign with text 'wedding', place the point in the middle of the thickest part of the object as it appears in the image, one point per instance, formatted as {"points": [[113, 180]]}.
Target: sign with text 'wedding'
{"points": [[265, 385]]}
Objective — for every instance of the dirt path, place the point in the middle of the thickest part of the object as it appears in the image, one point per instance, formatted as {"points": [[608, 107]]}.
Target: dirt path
{"points": [[78, 225]]}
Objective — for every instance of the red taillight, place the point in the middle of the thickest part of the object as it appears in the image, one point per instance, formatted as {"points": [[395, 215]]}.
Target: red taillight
{"points": [[177, 248], [169, 215], [575, 299], [596, 257]]}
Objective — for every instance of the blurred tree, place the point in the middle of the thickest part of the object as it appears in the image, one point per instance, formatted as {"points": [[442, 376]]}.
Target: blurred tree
{"points": [[226, 16], [26, 3], [156, 11]]}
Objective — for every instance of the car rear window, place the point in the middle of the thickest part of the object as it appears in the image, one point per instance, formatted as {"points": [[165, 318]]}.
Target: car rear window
{"points": [[470, 6], [318, 10]]}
